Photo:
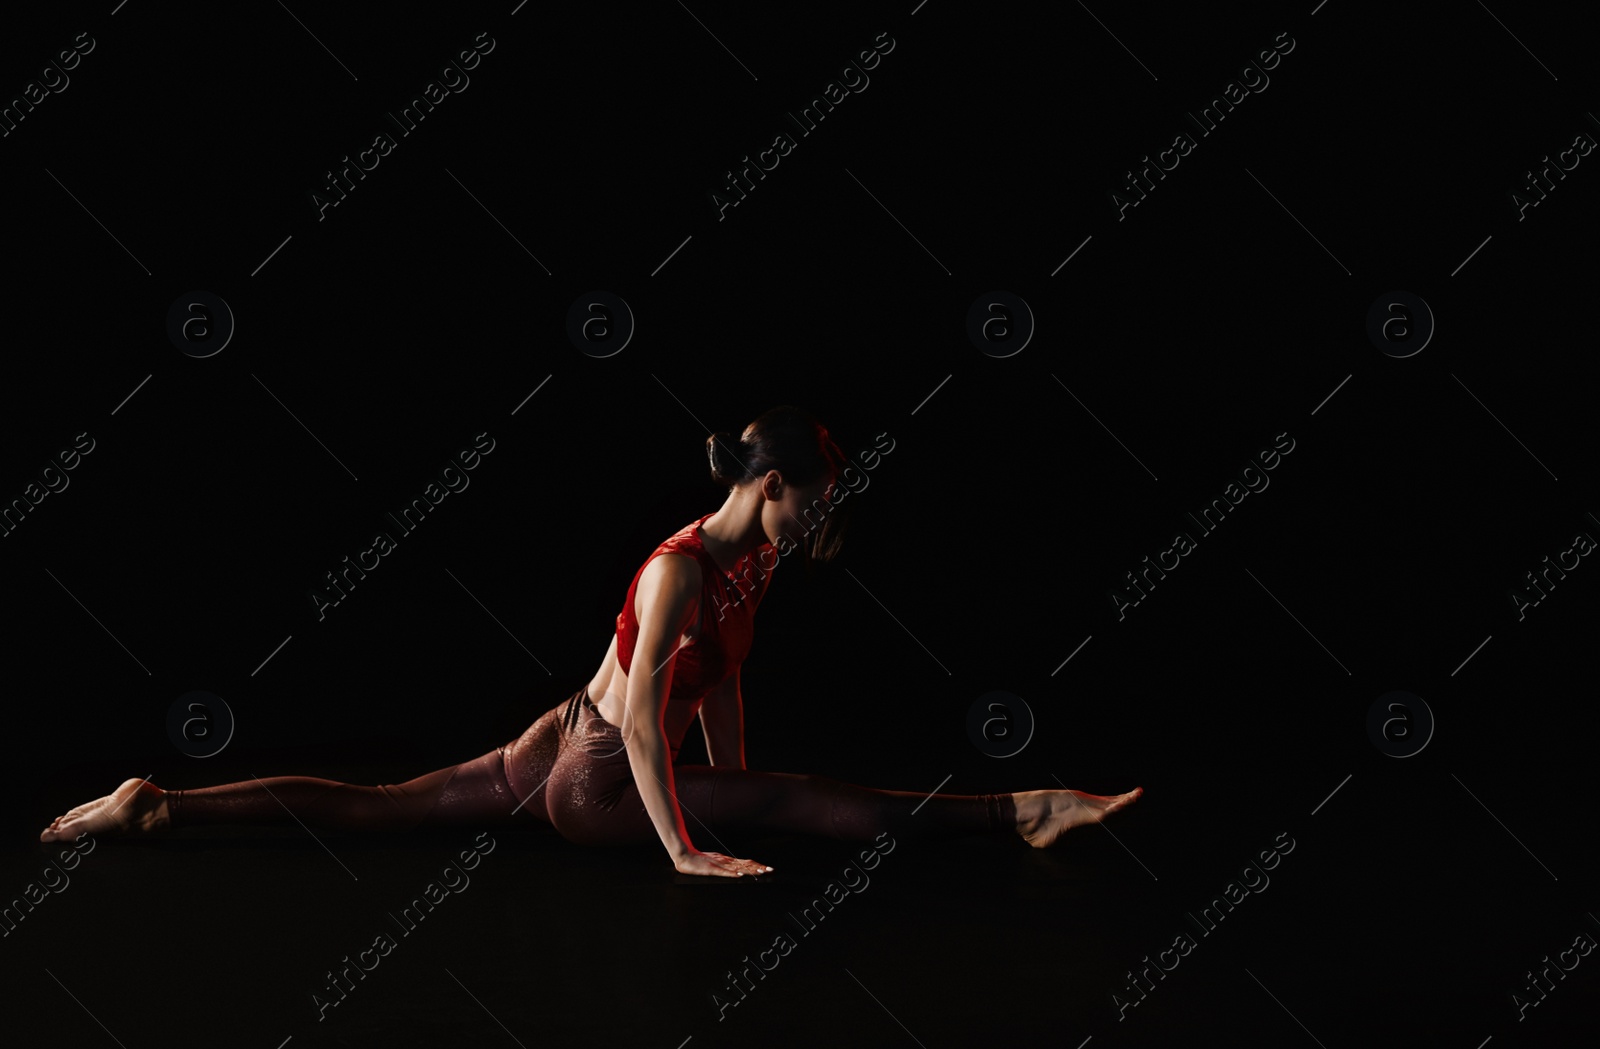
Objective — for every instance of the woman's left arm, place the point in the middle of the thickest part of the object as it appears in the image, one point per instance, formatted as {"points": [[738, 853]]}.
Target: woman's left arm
{"points": [[722, 718]]}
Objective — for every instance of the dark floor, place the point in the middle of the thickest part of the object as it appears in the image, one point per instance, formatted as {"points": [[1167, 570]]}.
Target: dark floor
{"points": [[1367, 932]]}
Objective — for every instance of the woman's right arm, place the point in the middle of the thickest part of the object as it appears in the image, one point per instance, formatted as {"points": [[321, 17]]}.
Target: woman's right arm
{"points": [[666, 601]]}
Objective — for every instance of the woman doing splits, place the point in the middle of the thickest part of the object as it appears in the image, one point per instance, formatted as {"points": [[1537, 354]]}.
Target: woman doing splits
{"points": [[606, 771]]}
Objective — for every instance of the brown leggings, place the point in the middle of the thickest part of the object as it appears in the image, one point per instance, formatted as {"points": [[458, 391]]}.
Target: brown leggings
{"points": [[570, 769]]}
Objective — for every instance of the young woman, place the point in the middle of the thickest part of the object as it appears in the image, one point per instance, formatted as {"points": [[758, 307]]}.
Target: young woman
{"points": [[607, 771]]}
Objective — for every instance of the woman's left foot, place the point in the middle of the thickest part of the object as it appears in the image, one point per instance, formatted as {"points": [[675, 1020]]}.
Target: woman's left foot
{"points": [[137, 807], [1043, 816]]}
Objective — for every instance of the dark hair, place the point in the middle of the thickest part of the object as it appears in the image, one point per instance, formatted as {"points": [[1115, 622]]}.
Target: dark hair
{"points": [[790, 440]]}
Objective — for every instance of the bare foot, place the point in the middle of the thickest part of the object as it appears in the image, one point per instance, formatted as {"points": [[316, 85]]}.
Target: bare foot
{"points": [[1043, 816], [137, 807]]}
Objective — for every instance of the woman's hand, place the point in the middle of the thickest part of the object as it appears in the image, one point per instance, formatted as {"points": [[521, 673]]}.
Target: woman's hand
{"points": [[715, 863]]}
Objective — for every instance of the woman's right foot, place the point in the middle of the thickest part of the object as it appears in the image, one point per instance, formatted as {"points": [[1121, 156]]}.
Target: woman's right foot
{"points": [[1043, 816], [137, 807]]}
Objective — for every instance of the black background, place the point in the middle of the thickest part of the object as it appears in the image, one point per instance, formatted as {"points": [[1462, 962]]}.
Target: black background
{"points": [[1173, 346]]}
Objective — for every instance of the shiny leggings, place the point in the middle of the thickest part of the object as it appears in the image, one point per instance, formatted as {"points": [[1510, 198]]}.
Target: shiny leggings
{"points": [[570, 769]]}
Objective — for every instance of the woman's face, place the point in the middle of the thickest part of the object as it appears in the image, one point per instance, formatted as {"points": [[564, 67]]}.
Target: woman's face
{"points": [[797, 511]]}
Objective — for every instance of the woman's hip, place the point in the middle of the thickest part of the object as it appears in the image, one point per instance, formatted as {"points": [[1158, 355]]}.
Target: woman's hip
{"points": [[531, 757]]}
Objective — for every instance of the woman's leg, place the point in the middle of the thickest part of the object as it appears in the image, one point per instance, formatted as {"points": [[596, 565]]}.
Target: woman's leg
{"points": [[502, 786], [473, 792], [592, 799]]}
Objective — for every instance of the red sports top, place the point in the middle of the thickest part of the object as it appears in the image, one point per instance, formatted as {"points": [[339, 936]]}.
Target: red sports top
{"points": [[728, 601]]}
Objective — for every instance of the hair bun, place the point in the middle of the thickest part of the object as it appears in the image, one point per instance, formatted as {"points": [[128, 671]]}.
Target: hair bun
{"points": [[726, 457]]}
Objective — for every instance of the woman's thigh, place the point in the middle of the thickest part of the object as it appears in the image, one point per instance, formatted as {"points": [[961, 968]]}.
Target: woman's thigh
{"points": [[531, 757], [593, 799]]}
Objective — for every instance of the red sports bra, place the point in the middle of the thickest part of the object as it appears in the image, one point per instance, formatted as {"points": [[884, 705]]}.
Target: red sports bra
{"points": [[728, 601]]}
